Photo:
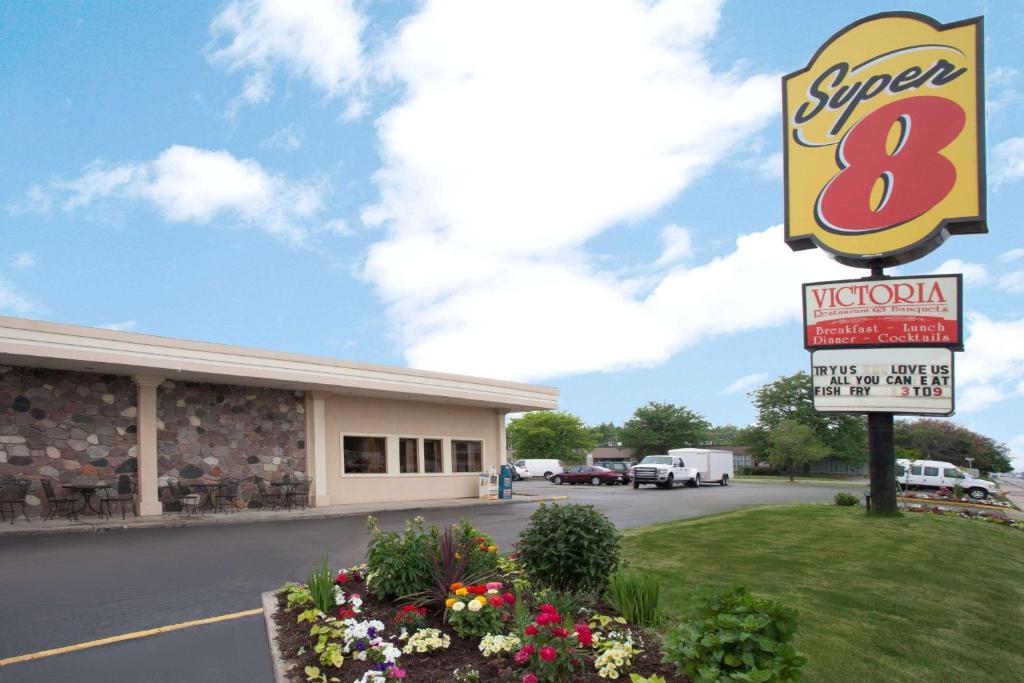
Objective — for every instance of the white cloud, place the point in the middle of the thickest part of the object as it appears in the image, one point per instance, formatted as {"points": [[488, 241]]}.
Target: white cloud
{"points": [[503, 161], [316, 40], [13, 302], [125, 326], [1011, 255], [770, 167], [991, 369], [1008, 161], [745, 383], [195, 185], [974, 273], [289, 139], [1017, 453], [23, 261], [676, 245], [1012, 282], [1001, 75]]}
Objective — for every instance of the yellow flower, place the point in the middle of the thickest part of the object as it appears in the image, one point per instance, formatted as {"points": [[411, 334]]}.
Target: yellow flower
{"points": [[492, 548], [449, 602], [462, 591], [481, 599]]}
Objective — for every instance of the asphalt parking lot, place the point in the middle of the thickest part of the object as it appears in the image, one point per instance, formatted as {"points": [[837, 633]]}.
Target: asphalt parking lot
{"points": [[65, 589]]}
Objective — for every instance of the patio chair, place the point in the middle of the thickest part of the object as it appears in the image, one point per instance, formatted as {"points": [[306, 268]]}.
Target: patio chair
{"points": [[58, 504], [268, 495], [226, 495], [183, 496], [12, 495], [122, 496], [298, 495]]}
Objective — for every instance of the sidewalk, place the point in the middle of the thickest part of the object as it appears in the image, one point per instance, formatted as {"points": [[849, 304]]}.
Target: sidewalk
{"points": [[87, 524]]}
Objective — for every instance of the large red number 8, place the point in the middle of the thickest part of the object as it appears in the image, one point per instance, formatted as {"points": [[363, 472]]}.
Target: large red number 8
{"points": [[915, 177]]}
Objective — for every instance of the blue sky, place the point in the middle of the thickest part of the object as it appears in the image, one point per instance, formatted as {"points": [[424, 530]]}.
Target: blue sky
{"points": [[585, 194]]}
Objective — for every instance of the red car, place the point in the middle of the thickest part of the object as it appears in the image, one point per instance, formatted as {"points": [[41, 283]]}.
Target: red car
{"points": [[589, 474]]}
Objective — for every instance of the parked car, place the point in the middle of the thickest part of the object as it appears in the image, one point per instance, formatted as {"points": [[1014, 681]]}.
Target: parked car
{"points": [[664, 471], [539, 467], [589, 474], [936, 474], [519, 473], [616, 466], [715, 467]]}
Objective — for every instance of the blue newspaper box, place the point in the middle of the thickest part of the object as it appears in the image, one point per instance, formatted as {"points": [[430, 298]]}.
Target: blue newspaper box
{"points": [[505, 483]]}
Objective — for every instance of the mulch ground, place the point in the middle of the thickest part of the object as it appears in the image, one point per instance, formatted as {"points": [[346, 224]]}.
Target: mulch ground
{"points": [[438, 666]]}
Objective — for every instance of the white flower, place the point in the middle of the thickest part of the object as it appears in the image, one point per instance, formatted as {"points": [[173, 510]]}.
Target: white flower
{"points": [[459, 606], [474, 605]]}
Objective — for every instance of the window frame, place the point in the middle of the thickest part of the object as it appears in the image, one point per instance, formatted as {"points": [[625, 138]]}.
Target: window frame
{"points": [[451, 447], [344, 469]]}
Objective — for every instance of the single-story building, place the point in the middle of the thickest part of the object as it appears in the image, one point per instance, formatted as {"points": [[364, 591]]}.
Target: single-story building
{"points": [[78, 403]]}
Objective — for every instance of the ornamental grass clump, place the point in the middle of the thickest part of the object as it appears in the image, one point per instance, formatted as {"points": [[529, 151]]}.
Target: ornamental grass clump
{"points": [[569, 547], [635, 594], [736, 636], [320, 583]]}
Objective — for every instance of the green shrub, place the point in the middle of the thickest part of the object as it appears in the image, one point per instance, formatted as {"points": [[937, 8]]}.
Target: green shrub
{"points": [[396, 563], [320, 583], [736, 636], [634, 594], [569, 547], [845, 499]]}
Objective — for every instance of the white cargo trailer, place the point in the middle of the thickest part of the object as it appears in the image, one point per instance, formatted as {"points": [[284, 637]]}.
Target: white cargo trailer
{"points": [[715, 467]]}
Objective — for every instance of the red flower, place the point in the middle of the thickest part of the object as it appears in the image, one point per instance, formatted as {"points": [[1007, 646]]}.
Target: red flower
{"points": [[548, 607], [509, 598], [496, 601], [477, 590], [481, 539], [543, 618], [345, 613], [531, 630], [584, 635], [548, 654], [529, 678], [342, 577], [559, 632]]}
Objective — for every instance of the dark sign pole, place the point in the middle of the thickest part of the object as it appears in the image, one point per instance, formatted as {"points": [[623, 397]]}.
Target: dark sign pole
{"points": [[881, 454]]}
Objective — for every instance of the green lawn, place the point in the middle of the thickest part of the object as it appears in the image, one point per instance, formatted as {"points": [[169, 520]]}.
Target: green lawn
{"points": [[916, 598]]}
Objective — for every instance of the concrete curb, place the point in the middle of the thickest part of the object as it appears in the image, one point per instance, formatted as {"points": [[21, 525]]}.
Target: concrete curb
{"points": [[172, 522], [276, 660]]}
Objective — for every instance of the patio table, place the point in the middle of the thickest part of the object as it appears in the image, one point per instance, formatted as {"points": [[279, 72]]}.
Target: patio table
{"points": [[208, 488], [87, 492], [287, 487]]}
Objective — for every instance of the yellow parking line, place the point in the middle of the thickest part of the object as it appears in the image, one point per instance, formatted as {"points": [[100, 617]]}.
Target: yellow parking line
{"points": [[128, 636]]}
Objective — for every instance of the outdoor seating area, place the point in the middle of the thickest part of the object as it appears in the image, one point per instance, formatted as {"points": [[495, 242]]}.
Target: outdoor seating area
{"points": [[105, 499]]}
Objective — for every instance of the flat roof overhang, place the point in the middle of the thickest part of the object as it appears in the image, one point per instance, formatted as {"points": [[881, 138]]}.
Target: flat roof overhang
{"points": [[71, 347]]}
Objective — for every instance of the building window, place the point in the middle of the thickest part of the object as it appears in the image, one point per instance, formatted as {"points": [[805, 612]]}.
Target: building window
{"points": [[408, 457], [467, 456], [366, 455], [432, 456]]}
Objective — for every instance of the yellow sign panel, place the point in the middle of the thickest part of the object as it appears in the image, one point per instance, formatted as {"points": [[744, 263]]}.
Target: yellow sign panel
{"points": [[884, 140]]}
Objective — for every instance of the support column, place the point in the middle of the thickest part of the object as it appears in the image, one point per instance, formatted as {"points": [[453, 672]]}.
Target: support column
{"points": [[316, 446], [149, 494], [882, 463], [502, 439]]}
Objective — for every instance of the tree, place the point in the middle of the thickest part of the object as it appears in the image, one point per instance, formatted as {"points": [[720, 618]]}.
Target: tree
{"points": [[723, 435], [943, 440], [789, 398], [792, 445], [549, 435], [658, 427], [605, 434]]}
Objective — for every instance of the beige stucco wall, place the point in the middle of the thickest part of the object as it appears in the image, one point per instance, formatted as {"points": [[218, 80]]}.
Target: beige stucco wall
{"points": [[364, 416]]}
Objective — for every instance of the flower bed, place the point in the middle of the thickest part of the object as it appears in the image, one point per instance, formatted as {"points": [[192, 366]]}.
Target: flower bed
{"points": [[967, 513], [948, 497], [592, 639]]}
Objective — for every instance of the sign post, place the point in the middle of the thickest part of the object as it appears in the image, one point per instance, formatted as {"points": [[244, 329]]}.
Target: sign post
{"points": [[883, 139]]}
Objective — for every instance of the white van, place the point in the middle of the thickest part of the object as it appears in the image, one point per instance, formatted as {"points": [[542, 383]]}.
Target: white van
{"points": [[715, 467], [539, 467], [936, 474]]}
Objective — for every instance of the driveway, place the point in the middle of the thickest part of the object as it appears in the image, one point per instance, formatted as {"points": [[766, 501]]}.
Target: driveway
{"points": [[65, 589]]}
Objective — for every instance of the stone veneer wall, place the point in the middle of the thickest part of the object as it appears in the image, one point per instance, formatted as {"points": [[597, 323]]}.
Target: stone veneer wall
{"points": [[208, 431], [66, 426]]}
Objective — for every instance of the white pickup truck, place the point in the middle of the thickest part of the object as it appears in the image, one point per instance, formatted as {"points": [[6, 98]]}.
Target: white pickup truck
{"points": [[664, 471], [935, 474]]}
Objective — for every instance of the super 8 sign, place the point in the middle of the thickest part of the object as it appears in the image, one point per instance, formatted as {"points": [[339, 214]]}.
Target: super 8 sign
{"points": [[884, 140]]}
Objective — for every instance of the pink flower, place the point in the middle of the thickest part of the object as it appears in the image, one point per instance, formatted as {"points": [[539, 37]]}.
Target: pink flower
{"points": [[522, 656], [543, 618], [547, 653], [584, 635], [509, 598], [559, 632], [548, 607], [494, 585], [497, 601], [395, 672], [529, 678], [529, 649], [531, 630]]}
